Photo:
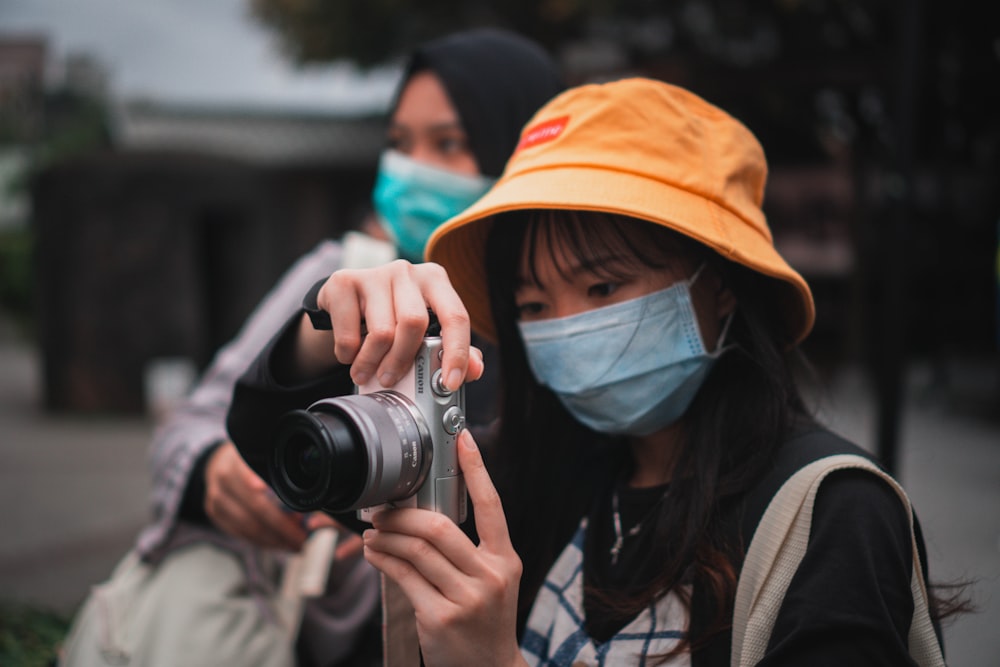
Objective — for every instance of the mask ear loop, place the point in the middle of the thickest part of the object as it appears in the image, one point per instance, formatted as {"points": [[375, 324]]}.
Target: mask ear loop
{"points": [[697, 272], [720, 345]]}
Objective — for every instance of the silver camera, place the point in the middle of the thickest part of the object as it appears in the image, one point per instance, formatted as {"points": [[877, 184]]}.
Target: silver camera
{"points": [[376, 447]]}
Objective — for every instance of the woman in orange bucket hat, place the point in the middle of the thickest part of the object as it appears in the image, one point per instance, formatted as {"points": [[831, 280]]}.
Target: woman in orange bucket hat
{"points": [[635, 508]]}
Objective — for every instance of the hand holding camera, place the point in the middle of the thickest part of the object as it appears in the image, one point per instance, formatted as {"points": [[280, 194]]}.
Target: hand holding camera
{"points": [[387, 443], [350, 452], [464, 594], [379, 317], [376, 447]]}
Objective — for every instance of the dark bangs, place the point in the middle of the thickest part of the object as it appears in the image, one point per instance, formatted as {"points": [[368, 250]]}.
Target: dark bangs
{"points": [[591, 238]]}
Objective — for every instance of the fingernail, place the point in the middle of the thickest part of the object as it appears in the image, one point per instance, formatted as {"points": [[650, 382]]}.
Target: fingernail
{"points": [[454, 379], [368, 535], [467, 440], [387, 379], [361, 377]]}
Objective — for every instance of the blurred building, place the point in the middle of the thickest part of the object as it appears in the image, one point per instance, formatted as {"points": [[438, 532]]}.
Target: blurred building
{"points": [[157, 228], [881, 189], [160, 246], [22, 78]]}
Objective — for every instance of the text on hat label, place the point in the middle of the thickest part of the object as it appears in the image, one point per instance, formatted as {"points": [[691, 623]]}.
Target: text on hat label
{"points": [[542, 132]]}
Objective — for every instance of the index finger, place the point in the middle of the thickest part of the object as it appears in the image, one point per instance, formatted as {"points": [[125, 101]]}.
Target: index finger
{"points": [[491, 523], [455, 324]]}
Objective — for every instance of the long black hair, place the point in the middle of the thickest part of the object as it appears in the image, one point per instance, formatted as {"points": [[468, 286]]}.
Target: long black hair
{"points": [[548, 467]]}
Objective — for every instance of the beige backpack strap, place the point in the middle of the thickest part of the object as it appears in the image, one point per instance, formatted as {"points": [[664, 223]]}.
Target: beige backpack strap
{"points": [[400, 645], [778, 547], [305, 576]]}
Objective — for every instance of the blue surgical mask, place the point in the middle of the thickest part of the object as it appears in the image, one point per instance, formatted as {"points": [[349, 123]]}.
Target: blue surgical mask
{"points": [[412, 199], [631, 368]]}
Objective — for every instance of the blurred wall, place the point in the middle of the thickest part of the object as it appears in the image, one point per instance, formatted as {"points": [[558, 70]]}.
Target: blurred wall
{"points": [[144, 255]]}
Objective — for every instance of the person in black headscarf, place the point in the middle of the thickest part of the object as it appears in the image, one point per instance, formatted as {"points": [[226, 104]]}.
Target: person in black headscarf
{"points": [[496, 80], [455, 121], [202, 578]]}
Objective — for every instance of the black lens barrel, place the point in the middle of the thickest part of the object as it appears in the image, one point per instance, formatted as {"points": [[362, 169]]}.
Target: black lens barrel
{"points": [[318, 462]]}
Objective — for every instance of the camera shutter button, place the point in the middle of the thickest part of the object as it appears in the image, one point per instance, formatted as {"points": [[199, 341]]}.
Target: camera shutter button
{"points": [[454, 420]]}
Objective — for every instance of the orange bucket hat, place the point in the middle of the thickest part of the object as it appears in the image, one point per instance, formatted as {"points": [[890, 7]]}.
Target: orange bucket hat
{"points": [[639, 148]]}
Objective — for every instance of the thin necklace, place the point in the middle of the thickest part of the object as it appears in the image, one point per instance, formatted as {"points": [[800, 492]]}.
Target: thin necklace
{"points": [[616, 518]]}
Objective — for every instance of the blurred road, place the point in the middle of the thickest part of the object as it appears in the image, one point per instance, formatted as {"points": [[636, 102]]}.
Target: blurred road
{"points": [[73, 489]]}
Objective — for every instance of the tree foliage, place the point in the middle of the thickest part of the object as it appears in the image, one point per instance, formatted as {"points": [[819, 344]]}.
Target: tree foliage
{"points": [[373, 31], [799, 72]]}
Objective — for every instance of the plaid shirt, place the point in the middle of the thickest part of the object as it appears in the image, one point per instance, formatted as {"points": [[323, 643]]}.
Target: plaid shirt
{"points": [[555, 635]]}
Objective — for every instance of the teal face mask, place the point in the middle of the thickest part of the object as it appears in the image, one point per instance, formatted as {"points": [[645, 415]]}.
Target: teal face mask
{"points": [[412, 199], [631, 368]]}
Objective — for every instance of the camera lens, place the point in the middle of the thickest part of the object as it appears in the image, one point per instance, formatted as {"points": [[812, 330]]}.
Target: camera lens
{"points": [[351, 452], [302, 461], [318, 460]]}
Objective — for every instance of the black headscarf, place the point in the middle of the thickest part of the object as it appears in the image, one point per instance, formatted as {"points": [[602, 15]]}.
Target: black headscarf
{"points": [[497, 80]]}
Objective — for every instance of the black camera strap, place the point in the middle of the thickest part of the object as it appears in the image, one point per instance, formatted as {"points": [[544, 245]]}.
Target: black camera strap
{"points": [[320, 319]]}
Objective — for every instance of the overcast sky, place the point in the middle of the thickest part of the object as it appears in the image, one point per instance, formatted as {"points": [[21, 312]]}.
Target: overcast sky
{"points": [[207, 52]]}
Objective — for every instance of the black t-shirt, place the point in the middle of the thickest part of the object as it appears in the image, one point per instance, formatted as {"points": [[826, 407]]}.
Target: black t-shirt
{"points": [[633, 569], [850, 600]]}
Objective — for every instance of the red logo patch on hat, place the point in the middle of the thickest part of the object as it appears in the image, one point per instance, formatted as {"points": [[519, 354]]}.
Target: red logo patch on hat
{"points": [[543, 132]]}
